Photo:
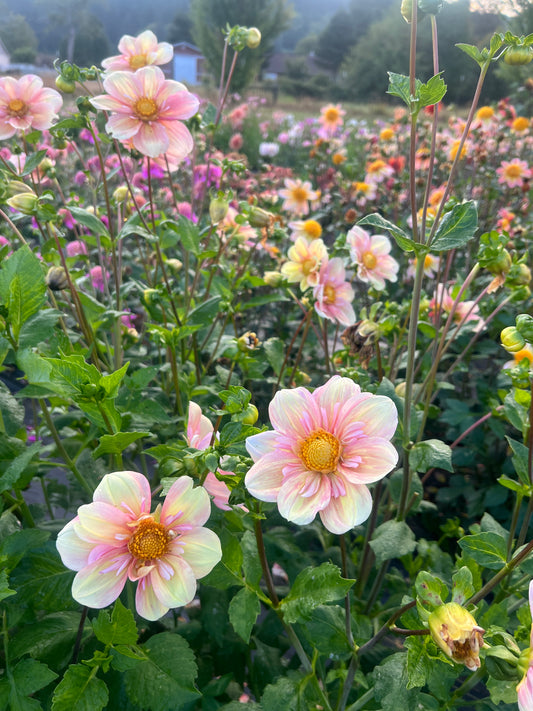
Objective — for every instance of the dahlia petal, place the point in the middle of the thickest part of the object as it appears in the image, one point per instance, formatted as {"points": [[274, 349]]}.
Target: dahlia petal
{"points": [[260, 444], [331, 396], [102, 522], [218, 490], [176, 101], [287, 410], [147, 603], [264, 479], [73, 550], [345, 512], [144, 43], [123, 127], [110, 103], [302, 509], [174, 588], [129, 491], [151, 139], [180, 140], [379, 415], [122, 86], [201, 550], [149, 80], [185, 505], [199, 428], [98, 586], [127, 44], [6, 130], [381, 245], [378, 457]]}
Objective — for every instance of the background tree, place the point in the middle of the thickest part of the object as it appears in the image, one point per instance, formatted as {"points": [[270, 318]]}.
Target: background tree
{"points": [[209, 18], [19, 38], [90, 42], [180, 29]]}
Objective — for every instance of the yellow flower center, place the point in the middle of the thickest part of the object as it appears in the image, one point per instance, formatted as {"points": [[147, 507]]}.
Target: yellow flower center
{"points": [[308, 266], [369, 260], [428, 261], [520, 123], [149, 540], [362, 187], [386, 134], [137, 61], [320, 452], [485, 112], [332, 115], [330, 294], [376, 166], [146, 109], [513, 171], [525, 353], [299, 194], [312, 229], [17, 107]]}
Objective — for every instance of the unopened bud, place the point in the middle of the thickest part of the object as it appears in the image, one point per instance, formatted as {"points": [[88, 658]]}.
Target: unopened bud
{"points": [[120, 194], [512, 340], [56, 279], [273, 278], [16, 187], [254, 38], [456, 632], [518, 55], [523, 275], [407, 10], [24, 202], [218, 209], [258, 217], [501, 263], [174, 265], [250, 415]]}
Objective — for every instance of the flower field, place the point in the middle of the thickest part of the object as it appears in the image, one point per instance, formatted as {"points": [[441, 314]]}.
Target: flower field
{"points": [[265, 395]]}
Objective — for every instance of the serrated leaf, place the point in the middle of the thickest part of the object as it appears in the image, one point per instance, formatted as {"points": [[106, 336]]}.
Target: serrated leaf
{"points": [[111, 383], [38, 328], [399, 86], [402, 239], [244, 609], [251, 564], [43, 637], [456, 228], [418, 665], [392, 539], [17, 468], [22, 287], [87, 219], [80, 690], [281, 696], [314, 587], [165, 681], [204, 314], [119, 628], [472, 52], [117, 443], [12, 412], [520, 460], [430, 453], [488, 549], [432, 91], [5, 590], [327, 631]]}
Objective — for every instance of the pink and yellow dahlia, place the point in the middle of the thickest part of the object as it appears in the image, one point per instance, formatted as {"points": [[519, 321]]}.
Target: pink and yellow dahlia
{"points": [[325, 448], [333, 294], [371, 255], [137, 52], [304, 262], [25, 104], [116, 538], [331, 118], [296, 196], [147, 111], [513, 173]]}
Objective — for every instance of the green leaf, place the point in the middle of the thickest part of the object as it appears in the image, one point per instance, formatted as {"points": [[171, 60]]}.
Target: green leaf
{"points": [[314, 587], [5, 590], [275, 353], [251, 564], [38, 328], [32, 162], [22, 287], [399, 86], [462, 585], [12, 412], [432, 91], [228, 571], [165, 681], [418, 665], [18, 467], [430, 453], [189, 235], [117, 443], [87, 219], [42, 581], [26, 678], [392, 540], [18, 543], [234, 432], [456, 228], [281, 696], [244, 609], [392, 690], [520, 460], [111, 383], [80, 690], [119, 628], [205, 314], [49, 637], [327, 631], [488, 549], [472, 52], [431, 591], [402, 239]]}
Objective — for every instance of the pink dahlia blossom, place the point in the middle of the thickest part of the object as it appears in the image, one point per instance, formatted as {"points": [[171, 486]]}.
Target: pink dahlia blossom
{"points": [[333, 294], [199, 435], [116, 538], [137, 52], [324, 450], [147, 111], [25, 104], [296, 196], [371, 254], [513, 173], [525, 687]]}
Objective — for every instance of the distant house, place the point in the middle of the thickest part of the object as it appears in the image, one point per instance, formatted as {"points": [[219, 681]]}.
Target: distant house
{"points": [[188, 64], [5, 59]]}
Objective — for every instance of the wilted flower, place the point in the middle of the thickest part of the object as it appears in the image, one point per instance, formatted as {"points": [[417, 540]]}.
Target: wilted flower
{"points": [[371, 254], [137, 52], [25, 104], [116, 538], [324, 450], [456, 632], [333, 294], [147, 110]]}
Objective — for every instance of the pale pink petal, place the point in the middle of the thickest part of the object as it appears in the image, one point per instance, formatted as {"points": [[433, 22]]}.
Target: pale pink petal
{"points": [[345, 512], [122, 86], [260, 444], [531, 610], [294, 411], [146, 601], [102, 522], [201, 550], [110, 103], [148, 80], [199, 428], [301, 497], [128, 491], [379, 415], [180, 140], [6, 130], [173, 581], [73, 550], [151, 139], [123, 127], [185, 505], [381, 245], [525, 692], [331, 397], [175, 101], [99, 584], [218, 490], [377, 458], [265, 477]]}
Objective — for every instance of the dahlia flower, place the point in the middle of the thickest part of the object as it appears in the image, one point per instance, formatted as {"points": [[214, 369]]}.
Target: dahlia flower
{"points": [[199, 435], [116, 538], [137, 52], [304, 262], [513, 173], [25, 104], [296, 196], [333, 294], [147, 110], [325, 448], [371, 254], [331, 118]]}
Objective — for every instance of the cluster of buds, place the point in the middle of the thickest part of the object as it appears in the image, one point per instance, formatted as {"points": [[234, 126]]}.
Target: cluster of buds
{"points": [[514, 338], [240, 37]]}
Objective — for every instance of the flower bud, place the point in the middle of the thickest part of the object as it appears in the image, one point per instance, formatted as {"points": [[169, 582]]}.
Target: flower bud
{"points": [[430, 7], [248, 342], [65, 85], [16, 187], [174, 265], [24, 202], [406, 9], [518, 55], [273, 278], [524, 323], [56, 279], [254, 38], [258, 217], [250, 415], [456, 632], [502, 664], [512, 340], [150, 296], [500, 263], [120, 194], [523, 275], [218, 208]]}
